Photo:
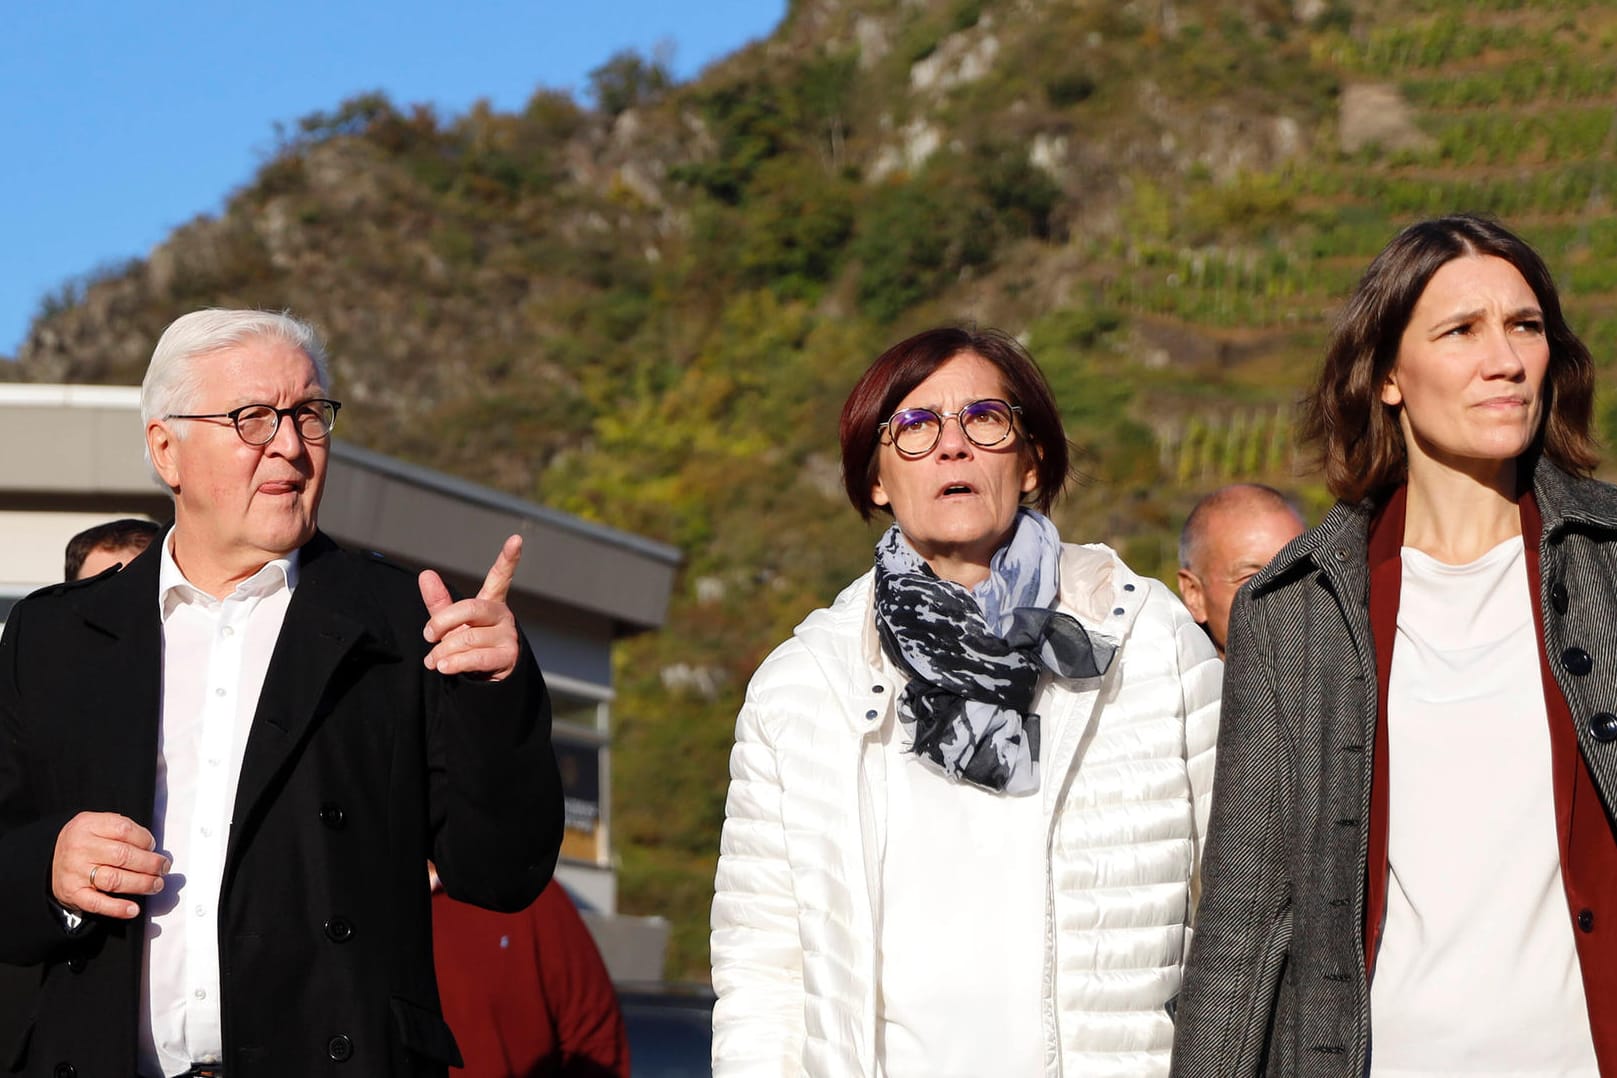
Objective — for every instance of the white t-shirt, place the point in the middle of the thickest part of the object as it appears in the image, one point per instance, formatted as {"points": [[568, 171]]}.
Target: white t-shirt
{"points": [[1478, 970], [960, 942]]}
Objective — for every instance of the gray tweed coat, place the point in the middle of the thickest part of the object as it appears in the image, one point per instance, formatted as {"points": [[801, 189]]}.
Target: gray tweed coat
{"points": [[1275, 981]]}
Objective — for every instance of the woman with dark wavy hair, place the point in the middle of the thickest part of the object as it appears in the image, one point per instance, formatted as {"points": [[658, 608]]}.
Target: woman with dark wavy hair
{"points": [[1411, 867], [966, 799]]}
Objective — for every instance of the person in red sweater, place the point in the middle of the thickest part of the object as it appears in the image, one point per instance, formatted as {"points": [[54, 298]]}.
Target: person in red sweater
{"points": [[526, 994]]}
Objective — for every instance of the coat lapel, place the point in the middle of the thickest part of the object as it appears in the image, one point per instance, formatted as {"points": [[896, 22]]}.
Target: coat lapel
{"points": [[120, 697], [326, 623], [1111, 613]]}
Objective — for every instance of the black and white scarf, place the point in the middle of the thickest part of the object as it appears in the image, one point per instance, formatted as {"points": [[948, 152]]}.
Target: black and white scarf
{"points": [[974, 657]]}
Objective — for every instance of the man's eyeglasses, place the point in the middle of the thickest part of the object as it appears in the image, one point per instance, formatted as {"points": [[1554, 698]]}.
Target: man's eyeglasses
{"points": [[915, 431], [257, 424]]}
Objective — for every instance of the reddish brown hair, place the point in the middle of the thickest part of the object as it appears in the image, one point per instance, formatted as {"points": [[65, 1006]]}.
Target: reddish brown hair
{"points": [[912, 361], [1360, 444]]}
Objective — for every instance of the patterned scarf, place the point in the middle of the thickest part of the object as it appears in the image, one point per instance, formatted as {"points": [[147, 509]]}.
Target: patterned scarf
{"points": [[974, 657]]}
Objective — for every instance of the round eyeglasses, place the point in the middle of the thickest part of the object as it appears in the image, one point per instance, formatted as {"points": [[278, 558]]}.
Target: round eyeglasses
{"points": [[915, 431], [257, 424]]}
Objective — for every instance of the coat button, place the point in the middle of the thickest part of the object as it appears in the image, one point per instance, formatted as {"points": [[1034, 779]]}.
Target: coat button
{"points": [[1603, 724], [340, 1049], [65, 1070], [332, 816], [1577, 661], [1558, 597], [1586, 920], [76, 963], [339, 930]]}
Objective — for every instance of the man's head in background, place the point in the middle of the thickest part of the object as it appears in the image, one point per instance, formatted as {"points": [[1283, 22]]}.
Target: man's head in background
{"points": [[1230, 535], [97, 549]]}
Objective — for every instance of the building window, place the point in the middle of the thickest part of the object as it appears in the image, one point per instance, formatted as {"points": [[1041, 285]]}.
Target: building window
{"points": [[580, 732]]}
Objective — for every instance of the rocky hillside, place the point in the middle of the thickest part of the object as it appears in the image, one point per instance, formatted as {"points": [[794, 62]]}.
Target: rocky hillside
{"points": [[647, 311]]}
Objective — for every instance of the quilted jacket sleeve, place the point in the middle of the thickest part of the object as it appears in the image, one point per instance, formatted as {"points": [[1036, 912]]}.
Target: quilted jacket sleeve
{"points": [[1244, 920], [758, 1024], [1201, 677]]}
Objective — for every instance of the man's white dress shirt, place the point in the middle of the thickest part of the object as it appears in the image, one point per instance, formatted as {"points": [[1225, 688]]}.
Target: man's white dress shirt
{"points": [[215, 655]]}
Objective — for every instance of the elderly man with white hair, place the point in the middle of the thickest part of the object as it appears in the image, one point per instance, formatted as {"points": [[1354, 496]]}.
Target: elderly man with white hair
{"points": [[223, 769]]}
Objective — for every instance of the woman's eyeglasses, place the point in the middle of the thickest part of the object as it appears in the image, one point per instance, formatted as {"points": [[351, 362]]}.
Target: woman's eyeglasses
{"points": [[915, 431]]}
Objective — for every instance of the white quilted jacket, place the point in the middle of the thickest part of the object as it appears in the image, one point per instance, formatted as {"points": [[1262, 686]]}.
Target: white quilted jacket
{"points": [[1125, 790]]}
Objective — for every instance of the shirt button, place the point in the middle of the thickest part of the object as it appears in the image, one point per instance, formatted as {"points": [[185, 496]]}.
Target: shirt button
{"points": [[227, 631], [1128, 587], [219, 692], [1117, 610], [213, 761], [878, 688], [870, 714], [207, 832], [199, 910], [200, 993]]}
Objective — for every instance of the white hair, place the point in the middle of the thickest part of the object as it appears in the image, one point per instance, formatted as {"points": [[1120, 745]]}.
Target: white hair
{"points": [[170, 385]]}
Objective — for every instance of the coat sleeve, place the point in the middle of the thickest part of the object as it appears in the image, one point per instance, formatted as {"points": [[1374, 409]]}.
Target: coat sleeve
{"points": [[758, 1021], [590, 1035], [496, 791], [1201, 687], [1243, 925], [35, 931]]}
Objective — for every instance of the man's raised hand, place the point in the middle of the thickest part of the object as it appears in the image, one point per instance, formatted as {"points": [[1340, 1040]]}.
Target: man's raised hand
{"points": [[476, 636]]}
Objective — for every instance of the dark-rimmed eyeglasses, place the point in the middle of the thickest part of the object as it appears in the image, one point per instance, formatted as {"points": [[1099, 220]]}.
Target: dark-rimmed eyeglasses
{"points": [[915, 431], [257, 424]]}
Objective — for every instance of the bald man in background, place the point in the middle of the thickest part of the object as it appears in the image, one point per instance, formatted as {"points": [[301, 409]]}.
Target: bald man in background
{"points": [[1230, 535]]}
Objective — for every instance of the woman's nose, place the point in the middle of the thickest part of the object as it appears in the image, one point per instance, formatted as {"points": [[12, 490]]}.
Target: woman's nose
{"points": [[952, 440], [1504, 358]]}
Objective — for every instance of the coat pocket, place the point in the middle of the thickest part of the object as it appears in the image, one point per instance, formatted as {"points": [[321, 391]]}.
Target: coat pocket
{"points": [[424, 1032]]}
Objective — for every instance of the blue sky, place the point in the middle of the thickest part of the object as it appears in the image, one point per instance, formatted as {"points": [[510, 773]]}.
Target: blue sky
{"points": [[123, 120]]}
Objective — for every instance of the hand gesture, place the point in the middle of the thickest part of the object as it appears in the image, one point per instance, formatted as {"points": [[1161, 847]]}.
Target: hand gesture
{"points": [[100, 855], [474, 636]]}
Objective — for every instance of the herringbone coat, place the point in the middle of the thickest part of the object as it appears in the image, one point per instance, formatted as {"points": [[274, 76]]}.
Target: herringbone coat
{"points": [[1275, 982]]}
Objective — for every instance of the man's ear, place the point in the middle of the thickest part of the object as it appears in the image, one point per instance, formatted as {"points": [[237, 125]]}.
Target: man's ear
{"points": [[162, 445], [1190, 590]]}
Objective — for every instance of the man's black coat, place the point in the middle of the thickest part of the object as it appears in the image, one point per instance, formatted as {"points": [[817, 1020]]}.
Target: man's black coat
{"points": [[360, 764]]}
